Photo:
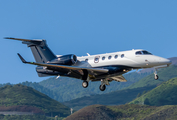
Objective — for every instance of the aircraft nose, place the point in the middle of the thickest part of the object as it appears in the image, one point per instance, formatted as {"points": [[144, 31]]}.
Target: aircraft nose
{"points": [[166, 61], [169, 62]]}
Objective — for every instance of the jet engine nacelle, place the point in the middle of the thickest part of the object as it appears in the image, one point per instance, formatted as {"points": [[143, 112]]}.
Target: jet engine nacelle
{"points": [[70, 59]]}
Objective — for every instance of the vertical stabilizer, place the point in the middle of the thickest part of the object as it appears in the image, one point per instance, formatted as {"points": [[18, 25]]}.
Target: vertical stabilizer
{"points": [[39, 48]]}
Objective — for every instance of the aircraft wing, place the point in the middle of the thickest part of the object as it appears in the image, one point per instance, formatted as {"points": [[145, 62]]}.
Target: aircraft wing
{"points": [[119, 78], [91, 70]]}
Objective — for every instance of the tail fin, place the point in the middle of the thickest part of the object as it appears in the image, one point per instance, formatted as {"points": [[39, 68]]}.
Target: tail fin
{"points": [[39, 48]]}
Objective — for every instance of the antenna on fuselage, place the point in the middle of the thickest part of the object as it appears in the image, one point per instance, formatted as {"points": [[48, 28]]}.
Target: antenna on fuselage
{"points": [[88, 54]]}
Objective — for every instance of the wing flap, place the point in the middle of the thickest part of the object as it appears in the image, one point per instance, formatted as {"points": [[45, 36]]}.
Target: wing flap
{"points": [[119, 78]]}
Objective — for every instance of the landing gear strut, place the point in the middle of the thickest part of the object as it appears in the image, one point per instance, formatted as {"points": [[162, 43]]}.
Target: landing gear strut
{"points": [[156, 77], [85, 84], [103, 84]]}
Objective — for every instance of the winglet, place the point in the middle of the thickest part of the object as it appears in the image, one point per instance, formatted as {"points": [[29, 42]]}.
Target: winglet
{"points": [[22, 59]]}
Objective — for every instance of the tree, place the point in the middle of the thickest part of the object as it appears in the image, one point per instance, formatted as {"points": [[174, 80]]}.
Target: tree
{"points": [[146, 101], [139, 94]]}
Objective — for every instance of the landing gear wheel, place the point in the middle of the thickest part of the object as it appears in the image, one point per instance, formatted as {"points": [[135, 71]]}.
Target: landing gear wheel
{"points": [[85, 84], [102, 87], [156, 77]]}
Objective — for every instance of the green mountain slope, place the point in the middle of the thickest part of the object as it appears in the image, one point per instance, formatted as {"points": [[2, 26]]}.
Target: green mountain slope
{"points": [[52, 94], [25, 117], [70, 88], [125, 112], [164, 75], [127, 94], [164, 94], [113, 98], [23, 98]]}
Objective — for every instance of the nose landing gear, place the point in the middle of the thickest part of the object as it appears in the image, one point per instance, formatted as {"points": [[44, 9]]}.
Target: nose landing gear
{"points": [[156, 77]]}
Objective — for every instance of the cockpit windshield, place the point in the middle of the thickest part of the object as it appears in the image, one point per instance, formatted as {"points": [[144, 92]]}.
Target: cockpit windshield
{"points": [[143, 53]]}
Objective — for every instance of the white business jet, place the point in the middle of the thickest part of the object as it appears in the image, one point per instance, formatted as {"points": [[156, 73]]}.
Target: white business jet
{"points": [[102, 67]]}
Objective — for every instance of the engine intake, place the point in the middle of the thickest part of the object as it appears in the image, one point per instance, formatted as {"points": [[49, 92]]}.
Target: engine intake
{"points": [[70, 59]]}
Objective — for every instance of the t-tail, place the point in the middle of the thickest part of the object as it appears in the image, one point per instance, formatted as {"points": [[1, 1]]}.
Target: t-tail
{"points": [[40, 50]]}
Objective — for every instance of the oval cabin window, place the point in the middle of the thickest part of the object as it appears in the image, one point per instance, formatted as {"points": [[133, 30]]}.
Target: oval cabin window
{"points": [[86, 60], [109, 57], [122, 55], [96, 60], [116, 56]]}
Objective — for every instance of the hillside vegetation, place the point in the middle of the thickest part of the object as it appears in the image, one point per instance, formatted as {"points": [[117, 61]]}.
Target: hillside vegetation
{"points": [[25, 117], [40, 88], [70, 88], [127, 94], [125, 112], [27, 99], [113, 98], [164, 94], [164, 75]]}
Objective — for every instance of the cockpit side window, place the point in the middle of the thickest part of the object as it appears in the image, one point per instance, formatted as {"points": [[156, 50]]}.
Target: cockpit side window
{"points": [[146, 53], [138, 53], [143, 53]]}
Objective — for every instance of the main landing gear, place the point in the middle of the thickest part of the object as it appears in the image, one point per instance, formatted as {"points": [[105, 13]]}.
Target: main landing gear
{"points": [[156, 77], [102, 87], [103, 84]]}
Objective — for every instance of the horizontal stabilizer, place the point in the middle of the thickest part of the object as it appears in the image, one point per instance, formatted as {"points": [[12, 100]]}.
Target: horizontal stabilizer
{"points": [[26, 40], [22, 59]]}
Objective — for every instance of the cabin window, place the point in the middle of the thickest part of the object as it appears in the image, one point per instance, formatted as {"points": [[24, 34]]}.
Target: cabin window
{"points": [[109, 57], [96, 60], [103, 58], [122, 55], [86, 60], [116, 56]]}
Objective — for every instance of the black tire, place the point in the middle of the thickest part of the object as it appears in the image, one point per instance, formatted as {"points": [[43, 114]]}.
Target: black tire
{"points": [[156, 77], [85, 84], [102, 87]]}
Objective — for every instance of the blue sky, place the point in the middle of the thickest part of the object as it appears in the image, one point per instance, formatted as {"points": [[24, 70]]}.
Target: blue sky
{"points": [[80, 27]]}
